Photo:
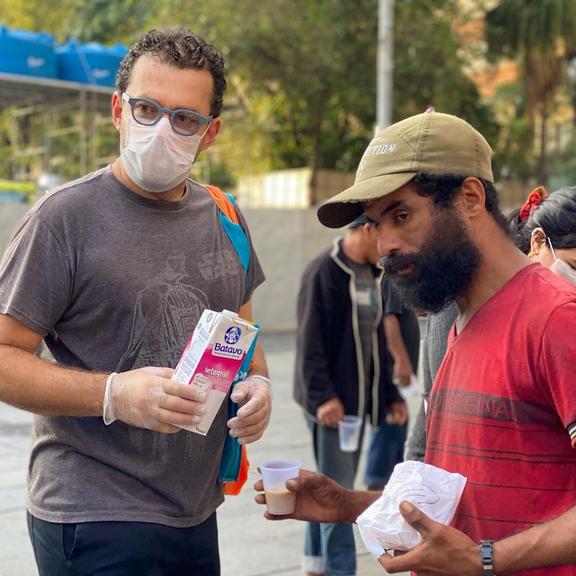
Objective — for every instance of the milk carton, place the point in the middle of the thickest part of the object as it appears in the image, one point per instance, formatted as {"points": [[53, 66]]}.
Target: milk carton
{"points": [[212, 359]]}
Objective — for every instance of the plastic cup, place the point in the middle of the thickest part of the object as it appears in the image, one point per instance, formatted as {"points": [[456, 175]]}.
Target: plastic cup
{"points": [[349, 433], [275, 474]]}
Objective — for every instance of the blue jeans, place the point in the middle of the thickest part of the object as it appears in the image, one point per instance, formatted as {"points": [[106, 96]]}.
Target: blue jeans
{"points": [[386, 450], [330, 548], [124, 549]]}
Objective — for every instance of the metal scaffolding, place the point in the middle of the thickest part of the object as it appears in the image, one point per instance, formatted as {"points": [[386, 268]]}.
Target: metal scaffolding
{"points": [[43, 102]]}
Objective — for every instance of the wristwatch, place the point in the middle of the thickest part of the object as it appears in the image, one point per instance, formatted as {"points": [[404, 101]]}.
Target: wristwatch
{"points": [[487, 556]]}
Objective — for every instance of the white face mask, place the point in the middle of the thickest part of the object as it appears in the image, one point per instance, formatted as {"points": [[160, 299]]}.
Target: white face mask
{"points": [[155, 157], [562, 268]]}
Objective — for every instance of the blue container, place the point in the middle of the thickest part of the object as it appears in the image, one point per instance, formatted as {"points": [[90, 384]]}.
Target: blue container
{"points": [[13, 197], [29, 53], [89, 63]]}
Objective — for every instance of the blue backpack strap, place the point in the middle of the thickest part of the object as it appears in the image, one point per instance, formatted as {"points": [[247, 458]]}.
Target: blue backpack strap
{"points": [[237, 237], [232, 451]]}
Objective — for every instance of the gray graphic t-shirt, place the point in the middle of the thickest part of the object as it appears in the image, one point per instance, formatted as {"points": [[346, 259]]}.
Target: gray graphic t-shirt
{"points": [[114, 282]]}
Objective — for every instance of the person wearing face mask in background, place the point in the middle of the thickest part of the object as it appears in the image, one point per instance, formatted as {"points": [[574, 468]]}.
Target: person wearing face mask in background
{"points": [[546, 230], [111, 273]]}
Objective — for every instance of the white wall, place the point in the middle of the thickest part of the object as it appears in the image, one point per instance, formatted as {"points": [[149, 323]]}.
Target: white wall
{"points": [[11, 216], [285, 241]]}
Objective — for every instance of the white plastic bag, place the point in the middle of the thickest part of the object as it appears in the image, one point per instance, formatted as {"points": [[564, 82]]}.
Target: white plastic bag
{"points": [[433, 490]]}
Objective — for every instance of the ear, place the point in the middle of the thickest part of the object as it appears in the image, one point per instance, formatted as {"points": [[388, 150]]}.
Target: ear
{"points": [[211, 134], [117, 109], [368, 229], [366, 232], [471, 198], [537, 241]]}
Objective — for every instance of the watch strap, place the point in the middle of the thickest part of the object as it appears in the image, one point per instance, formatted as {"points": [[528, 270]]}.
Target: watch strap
{"points": [[487, 557]]}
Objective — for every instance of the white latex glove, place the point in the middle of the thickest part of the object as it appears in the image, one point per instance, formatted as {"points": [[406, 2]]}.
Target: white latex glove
{"points": [[147, 398], [255, 398]]}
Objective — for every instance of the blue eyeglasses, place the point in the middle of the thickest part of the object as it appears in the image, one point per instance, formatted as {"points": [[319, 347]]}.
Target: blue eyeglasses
{"points": [[183, 121]]}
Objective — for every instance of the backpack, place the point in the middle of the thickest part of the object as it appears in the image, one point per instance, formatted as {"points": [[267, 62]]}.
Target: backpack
{"points": [[234, 464]]}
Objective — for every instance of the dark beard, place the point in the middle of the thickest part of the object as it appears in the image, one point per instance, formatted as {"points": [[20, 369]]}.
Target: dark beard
{"points": [[442, 269]]}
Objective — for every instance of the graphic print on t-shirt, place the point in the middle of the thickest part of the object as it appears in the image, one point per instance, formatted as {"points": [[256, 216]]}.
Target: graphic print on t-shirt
{"points": [[165, 315], [214, 265], [489, 406]]}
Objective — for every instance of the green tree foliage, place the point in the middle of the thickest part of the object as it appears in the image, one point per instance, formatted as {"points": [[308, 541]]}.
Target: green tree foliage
{"points": [[52, 16], [105, 21], [314, 64], [301, 72], [110, 21], [517, 27], [429, 68], [308, 65], [515, 156], [538, 34]]}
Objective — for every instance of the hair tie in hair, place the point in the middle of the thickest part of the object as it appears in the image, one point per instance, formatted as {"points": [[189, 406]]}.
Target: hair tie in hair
{"points": [[534, 200]]}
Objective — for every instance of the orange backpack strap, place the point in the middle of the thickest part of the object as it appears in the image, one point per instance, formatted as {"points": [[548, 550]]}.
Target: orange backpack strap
{"points": [[223, 202], [234, 487]]}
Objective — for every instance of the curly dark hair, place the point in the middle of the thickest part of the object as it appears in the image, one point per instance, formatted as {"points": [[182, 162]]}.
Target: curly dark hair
{"points": [[181, 48], [442, 189]]}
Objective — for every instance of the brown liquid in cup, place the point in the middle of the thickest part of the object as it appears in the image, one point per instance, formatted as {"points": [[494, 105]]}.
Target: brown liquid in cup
{"points": [[280, 503]]}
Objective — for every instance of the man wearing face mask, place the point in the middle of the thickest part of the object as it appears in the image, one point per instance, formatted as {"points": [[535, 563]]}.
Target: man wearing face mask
{"points": [[111, 273]]}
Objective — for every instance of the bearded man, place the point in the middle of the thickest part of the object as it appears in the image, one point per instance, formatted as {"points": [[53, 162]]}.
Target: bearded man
{"points": [[502, 410]]}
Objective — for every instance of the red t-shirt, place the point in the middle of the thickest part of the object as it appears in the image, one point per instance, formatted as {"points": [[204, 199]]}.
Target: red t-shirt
{"points": [[502, 410]]}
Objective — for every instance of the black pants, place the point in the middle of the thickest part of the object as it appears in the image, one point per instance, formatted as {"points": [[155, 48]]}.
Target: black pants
{"points": [[124, 549]]}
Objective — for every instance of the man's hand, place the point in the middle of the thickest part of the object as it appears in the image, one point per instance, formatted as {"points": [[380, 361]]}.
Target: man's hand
{"points": [[397, 413], [402, 372], [255, 397], [330, 413], [318, 499], [443, 550], [147, 398]]}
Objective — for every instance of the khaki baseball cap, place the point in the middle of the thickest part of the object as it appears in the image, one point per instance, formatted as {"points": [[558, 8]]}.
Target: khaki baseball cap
{"points": [[430, 142]]}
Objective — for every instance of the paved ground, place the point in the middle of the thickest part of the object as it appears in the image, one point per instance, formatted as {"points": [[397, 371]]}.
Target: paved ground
{"points": [[250, 545]]}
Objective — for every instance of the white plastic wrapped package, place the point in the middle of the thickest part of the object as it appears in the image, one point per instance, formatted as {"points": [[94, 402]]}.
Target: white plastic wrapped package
{"points": [[433, 490]]}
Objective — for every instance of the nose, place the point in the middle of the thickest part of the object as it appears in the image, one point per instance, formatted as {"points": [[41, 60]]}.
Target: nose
{"points": [[387, 242]]}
